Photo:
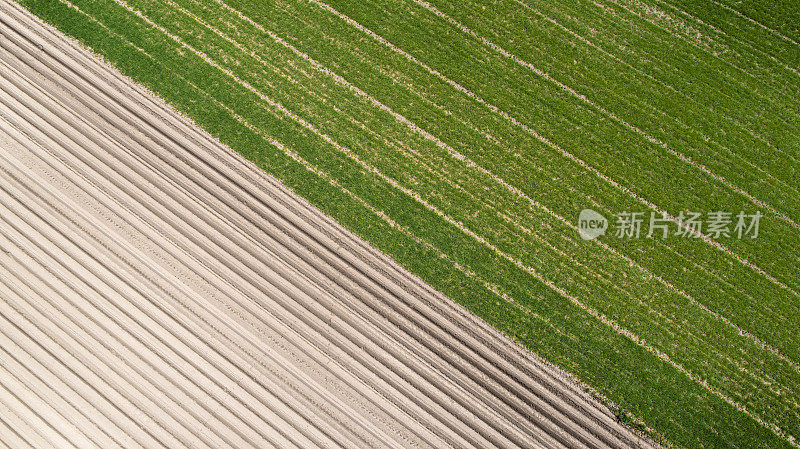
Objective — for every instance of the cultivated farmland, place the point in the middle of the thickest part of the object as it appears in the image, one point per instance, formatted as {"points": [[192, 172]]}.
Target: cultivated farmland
{"points": [[158, 290], [463, 139]]}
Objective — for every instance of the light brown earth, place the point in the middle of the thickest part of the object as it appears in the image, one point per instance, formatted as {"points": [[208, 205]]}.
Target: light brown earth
{"points": [[157, 290]]}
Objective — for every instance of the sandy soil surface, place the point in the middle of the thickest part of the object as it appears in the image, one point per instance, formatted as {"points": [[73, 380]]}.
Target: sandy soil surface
{"points": [[158, 290]]}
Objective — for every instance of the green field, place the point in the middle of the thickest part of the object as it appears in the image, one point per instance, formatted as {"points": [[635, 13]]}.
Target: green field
{"points": [[463, 139]]}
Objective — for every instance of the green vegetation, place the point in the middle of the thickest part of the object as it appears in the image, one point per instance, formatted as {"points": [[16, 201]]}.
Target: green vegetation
{"points": [[611, 105]]}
